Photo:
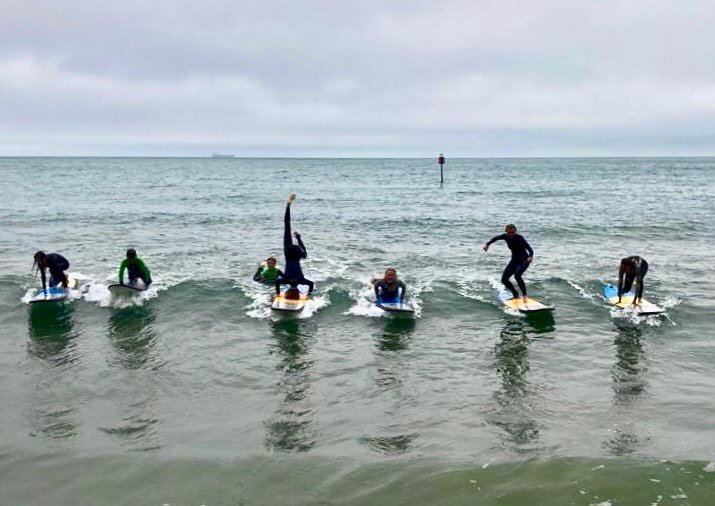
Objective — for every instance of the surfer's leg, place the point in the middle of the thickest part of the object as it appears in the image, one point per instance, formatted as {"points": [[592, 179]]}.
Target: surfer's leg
{"points": [[279, 281], [287, 241], [508, 271], [517, 276]]}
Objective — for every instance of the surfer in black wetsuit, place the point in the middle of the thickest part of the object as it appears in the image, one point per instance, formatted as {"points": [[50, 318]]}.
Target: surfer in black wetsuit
{"points": [[293, 274], [390, 288], [633, 268], [521, 257], [56, 263]]}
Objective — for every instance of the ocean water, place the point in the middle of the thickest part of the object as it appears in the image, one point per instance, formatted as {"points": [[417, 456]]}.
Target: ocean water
{"points": [[196, 394]]}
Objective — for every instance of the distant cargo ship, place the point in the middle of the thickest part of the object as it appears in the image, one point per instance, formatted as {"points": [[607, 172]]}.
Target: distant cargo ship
{"points": [[216, 155]]}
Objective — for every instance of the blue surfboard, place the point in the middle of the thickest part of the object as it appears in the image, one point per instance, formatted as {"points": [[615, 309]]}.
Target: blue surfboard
{"points": [[610, 293]]}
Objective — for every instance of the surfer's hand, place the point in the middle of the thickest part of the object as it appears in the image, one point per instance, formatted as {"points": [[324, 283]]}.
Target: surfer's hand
{"points": [[529, 260], [486, 247], [291, 198], [296, 234]]}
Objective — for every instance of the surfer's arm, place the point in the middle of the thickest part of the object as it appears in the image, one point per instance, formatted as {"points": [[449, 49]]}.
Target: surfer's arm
{"points": [[493, 240], [122, 268], [529, 250], [258, 276], [403, 290], [144, 269], [44, 278]]}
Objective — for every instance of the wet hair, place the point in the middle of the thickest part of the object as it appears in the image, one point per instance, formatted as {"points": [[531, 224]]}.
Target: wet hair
{"points": [[38, 257], [510, 226], [271, 259], [131, 253], [391, 269]]}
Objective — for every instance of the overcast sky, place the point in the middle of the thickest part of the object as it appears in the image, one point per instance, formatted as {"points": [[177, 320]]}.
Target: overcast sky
{"points": [[360, 78]]}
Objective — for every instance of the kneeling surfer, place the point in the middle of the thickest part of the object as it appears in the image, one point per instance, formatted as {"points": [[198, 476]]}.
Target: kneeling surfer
{"points": [[521, 257], [293, 274], [389, 288], [136, 269], [633, 268], [56, 263], [267, 271]]}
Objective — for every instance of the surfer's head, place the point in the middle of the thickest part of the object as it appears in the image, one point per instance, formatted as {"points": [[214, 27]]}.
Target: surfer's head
{"points": [[40, 260], [626, 265], [271, 262], [390, 275], [510, 229], [131, 253]]}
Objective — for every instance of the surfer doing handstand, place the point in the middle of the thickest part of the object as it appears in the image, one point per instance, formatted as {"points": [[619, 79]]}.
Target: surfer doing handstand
{"points": [[521, 257], [293, 274], [633, 268]]}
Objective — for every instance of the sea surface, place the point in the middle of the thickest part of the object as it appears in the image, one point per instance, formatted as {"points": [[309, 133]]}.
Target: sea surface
{"points": [[197, 394]]}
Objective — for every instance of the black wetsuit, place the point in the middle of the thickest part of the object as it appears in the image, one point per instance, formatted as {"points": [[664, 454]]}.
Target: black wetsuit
{"points": [[294, 253], [390, 292], [639, 267], [520, 253], [57, 264]]}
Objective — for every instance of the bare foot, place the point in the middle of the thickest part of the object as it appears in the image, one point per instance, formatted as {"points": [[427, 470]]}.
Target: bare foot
{"points": [[291, 198], [525, 299]]}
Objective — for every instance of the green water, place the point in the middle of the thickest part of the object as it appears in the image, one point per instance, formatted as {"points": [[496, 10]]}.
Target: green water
{"points": [[197, 394]]}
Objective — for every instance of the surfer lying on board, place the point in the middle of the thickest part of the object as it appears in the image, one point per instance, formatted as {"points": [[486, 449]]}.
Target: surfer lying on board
{"points": [[390, 288], [632, 268], [56, 263], [293, 274], [267, 271], [521, 256], [136, 269]]}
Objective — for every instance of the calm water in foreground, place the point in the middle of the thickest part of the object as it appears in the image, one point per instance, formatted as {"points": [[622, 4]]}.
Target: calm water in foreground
{"points": [[196, 394]]}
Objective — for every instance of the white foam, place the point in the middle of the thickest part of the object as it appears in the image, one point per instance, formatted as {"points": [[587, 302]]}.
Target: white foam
{"points": [[584, 293], [710, 468]]}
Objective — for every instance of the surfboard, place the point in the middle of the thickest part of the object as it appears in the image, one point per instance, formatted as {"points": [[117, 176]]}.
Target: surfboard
{"points": [[53, 294], [280, 303], [395, 306], [124, 290], [610, 292], [530, 306]]}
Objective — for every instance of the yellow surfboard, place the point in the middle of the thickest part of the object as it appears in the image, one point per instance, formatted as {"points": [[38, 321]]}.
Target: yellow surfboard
{"points": [[530, 306], [281, 303], [645, 307]]}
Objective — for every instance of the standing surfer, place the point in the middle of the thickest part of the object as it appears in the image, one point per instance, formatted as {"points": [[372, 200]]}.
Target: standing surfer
{"points": [[521, 257], [293, 274]]}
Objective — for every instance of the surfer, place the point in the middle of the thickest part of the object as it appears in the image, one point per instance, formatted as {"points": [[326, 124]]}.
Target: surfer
{"points": [[633, 268], [293, 274], [136, 269], [390, 288], [521, 257], [267, 271], [56, 263]]}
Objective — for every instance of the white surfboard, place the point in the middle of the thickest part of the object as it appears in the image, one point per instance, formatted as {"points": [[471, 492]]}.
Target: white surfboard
{"points": [[281, 303], [518, 304], [53, 294], [395, 307], [610, 292], [125, 290]]}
